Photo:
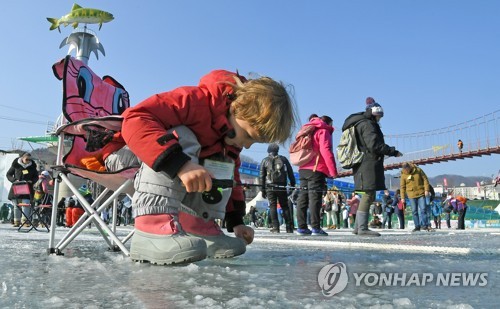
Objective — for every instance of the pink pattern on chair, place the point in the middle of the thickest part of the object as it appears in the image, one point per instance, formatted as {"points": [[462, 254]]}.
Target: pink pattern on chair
{"points": [[86, 95]]}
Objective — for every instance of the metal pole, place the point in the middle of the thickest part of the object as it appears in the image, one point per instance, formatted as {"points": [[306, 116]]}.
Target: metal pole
{"points": [[55, 200]]}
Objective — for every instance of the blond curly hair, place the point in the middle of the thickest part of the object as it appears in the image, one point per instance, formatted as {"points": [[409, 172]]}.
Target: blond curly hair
{"points": [[267, 106]]}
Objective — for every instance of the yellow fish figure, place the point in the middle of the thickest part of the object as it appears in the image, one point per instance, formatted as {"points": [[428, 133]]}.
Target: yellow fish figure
{"points": [[81, 15]]}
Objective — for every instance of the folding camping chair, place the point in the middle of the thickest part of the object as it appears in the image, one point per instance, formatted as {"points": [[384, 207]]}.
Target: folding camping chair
{"points": [[41, 209], [86, 96], [22, 193]]}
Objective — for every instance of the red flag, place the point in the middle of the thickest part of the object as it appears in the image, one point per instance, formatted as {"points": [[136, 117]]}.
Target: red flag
{"points": [[445, 182], [478, 186]]}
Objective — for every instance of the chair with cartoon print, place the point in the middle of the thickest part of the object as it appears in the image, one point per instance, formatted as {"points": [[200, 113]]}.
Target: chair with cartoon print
{"points": [[90, 146]]}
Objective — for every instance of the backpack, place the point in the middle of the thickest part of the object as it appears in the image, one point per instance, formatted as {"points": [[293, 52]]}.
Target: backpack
{"points": [[436, 209], [348, 153], [301, 150], [458, 204], [277, 170]]}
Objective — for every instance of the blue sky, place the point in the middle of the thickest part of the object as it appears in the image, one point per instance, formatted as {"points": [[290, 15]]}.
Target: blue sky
{"points": [[429, 63]]}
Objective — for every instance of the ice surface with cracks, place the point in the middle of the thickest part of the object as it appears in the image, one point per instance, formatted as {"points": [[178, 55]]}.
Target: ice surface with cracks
{"points": [[278, 271]]}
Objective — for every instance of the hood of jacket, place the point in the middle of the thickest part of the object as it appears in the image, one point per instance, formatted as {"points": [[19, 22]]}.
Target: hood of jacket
{"points": [[354, 118], [320, 124], [218, 82], [24, 165], [323, 145]]}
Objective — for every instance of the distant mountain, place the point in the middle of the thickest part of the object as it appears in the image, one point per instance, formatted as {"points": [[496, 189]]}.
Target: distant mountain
{"points": [[453, 180], [457, 180]]}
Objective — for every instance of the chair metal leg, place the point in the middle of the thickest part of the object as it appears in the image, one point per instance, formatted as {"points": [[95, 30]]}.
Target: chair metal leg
{"points": [[39, 210], [93, 215], [29, 219]]}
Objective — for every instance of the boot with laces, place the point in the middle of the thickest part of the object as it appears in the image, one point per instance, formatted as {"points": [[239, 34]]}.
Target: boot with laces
{"points": [[219, 245], [159, 239]]}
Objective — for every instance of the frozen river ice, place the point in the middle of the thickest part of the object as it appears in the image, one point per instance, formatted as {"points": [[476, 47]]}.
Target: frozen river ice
{"points": [[278, 271]]}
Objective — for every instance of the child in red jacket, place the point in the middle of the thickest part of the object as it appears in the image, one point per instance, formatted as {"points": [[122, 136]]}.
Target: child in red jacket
{"points": [[224, 113]]}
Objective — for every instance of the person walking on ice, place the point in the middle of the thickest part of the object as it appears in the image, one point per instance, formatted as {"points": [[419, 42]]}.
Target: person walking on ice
{"points": [[275, 174], [415, 184], [369, 173]]}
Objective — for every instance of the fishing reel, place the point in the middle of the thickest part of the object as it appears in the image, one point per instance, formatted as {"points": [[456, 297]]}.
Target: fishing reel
{"points": [[214, 196]]}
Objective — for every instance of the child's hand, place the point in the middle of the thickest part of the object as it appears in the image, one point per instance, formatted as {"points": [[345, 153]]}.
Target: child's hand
{"points": [[195, 177], [244, 232]]}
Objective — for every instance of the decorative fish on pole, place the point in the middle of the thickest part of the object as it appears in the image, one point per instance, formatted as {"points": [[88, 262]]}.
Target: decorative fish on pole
{"points": [[81, 15]]}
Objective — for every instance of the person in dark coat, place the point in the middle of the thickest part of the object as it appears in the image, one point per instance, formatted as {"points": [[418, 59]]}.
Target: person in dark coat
{"points": [[22, 169], [253, 215], [274, 188], [369, 174]]}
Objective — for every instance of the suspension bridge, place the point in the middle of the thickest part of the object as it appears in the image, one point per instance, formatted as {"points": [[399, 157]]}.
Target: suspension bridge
{"points": [[480, 137]]}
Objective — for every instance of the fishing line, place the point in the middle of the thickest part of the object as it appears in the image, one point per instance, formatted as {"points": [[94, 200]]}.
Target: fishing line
{"points": [[228, 183]]}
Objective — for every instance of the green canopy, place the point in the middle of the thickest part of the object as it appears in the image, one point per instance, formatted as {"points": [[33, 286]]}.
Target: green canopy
{"points": [[40, 139]]}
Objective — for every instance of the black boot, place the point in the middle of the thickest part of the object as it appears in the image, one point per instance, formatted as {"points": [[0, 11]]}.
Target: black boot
{"points": [[288, 220], [362, 225]]}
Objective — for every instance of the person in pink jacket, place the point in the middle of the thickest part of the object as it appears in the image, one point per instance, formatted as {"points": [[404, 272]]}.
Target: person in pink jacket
{"points": [[313, 177], [353, 202]]}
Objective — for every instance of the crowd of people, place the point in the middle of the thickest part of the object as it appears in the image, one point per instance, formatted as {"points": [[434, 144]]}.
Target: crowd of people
{"points": [[319, 207], [388, 212], [335, 212], [36, 209]]}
